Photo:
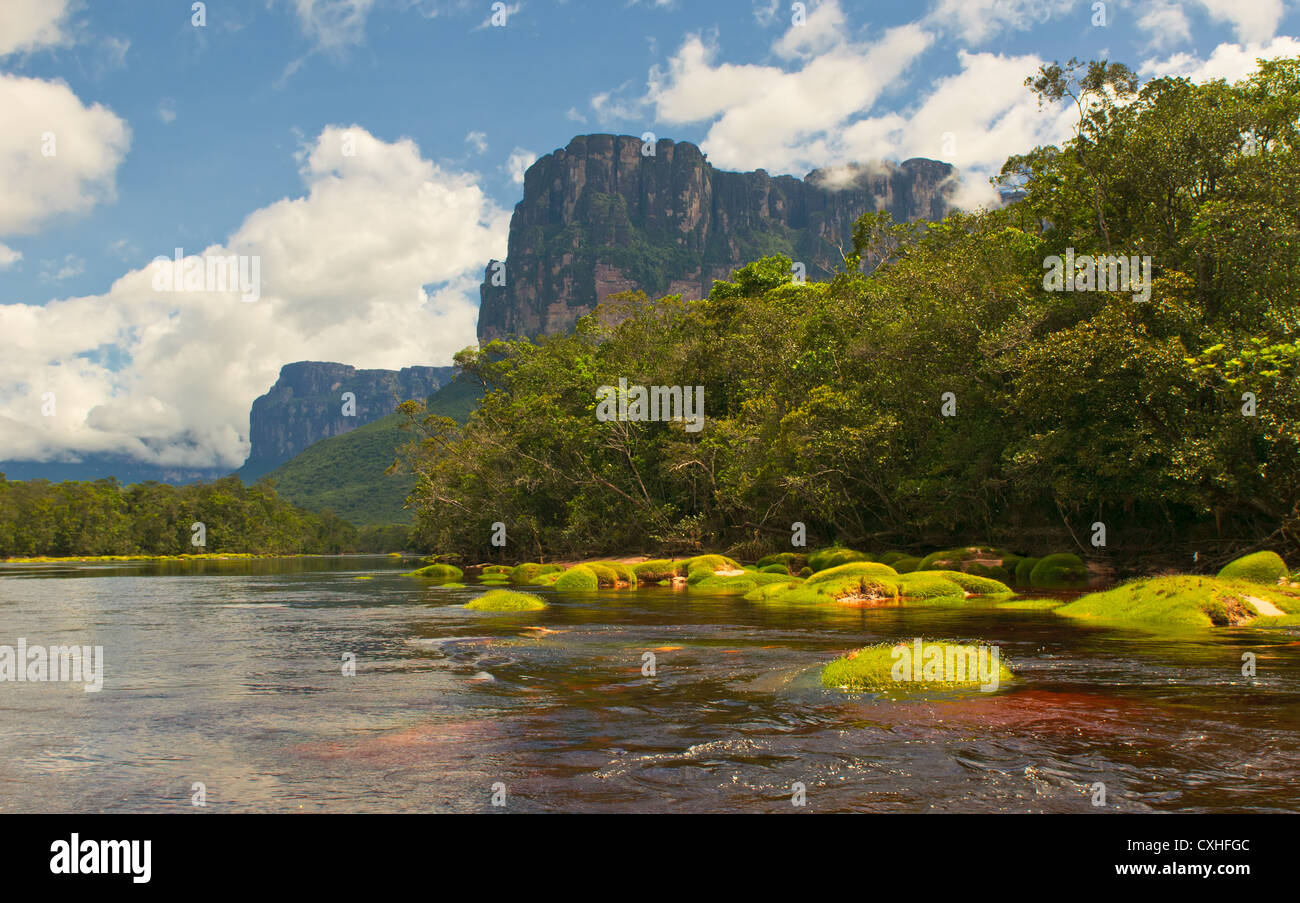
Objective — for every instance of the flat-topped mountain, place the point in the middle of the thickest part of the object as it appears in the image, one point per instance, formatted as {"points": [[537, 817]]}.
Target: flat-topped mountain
{"points": [[307, 404], [601, 216]]}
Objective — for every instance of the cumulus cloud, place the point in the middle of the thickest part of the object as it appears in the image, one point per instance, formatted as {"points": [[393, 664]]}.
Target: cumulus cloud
{"points": [[1165, 21], [822, 109], [376, 264], [57, 155], [518, 163], [333, 24], [1231, 62], [27, 25], [476, 141], [977, 21], [1254, 21]]}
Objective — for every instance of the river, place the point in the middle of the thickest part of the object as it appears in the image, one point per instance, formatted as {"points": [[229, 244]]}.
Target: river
{"points": [[225, 682]]}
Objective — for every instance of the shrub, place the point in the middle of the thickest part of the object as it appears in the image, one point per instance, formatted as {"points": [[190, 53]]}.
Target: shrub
{"points": [[1261, 567], [506, 600]]}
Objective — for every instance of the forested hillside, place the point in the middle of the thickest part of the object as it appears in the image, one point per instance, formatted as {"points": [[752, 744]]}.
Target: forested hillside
{"points": [[949, 397]]}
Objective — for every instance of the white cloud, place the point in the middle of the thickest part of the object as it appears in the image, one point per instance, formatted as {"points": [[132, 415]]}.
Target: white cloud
{"points": [[333, 24], [1253, 20], [1166, 23], [8, 256], [376, 265], [1232, 62], [976, 21], [167, 110], [518, 163], [765, 11], [780, 119], [27, 25], [87, 144], [477, 141], [823, 28]]}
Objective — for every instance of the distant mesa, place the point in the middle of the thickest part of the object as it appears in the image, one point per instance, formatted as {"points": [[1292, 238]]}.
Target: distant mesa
{"points": [[306, 405], [600, 217]]}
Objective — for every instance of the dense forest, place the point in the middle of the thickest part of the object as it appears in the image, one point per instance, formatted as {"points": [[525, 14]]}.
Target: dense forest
{"points": [[40, 518], [936, 392]]}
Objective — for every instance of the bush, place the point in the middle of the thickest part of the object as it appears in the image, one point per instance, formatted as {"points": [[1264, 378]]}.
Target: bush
{"points": [[1261, 567], [506, 600]]}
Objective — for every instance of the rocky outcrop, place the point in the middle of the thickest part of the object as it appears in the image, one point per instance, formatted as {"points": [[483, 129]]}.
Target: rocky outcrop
{"points": [[601, 217], [307, 404]]}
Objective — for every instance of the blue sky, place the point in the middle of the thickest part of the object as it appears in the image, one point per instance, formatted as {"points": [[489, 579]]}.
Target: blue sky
{"points": [[227, 136]]}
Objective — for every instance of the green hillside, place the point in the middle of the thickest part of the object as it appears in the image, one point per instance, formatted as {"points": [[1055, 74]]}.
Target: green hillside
{"points": [[345, 473]]}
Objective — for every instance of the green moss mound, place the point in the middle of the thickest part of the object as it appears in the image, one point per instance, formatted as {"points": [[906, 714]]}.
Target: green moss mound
{"points": [[740, 585], [622, 573], [885, 667], [834, 556], [774, 569], [1000, 573], [438, 572], [961, 559], [793, 562], [1061, 570], [906, 564], [974, 583], [531, 570], [656, 569], [702, 567], [506, 600], [579, 578], [890, 557], [929, 585], [1184, 602], [1024, 569], [1261, 567], [502, 569]]}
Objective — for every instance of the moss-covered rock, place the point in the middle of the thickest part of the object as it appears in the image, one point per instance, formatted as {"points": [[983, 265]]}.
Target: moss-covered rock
{"points": [[774, 569], [438, 572], [1024, 569], [531, 570], [963, 559], [994, 572], [702, 567], [975, 584], [1187, 601], [579, 578], [1060, 571], [793, 562], [889, 667], [906, 564], [834, 556], [929, 585], [506, 600], [503, 569], [1261, 567], [622, 573], [657, 569]]}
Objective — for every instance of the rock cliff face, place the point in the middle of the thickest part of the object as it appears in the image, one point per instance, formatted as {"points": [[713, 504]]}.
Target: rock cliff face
{"points": [[306, 404], [601, 216]]}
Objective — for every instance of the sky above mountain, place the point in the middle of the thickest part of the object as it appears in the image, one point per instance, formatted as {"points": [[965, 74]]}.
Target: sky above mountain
{"points": [[367, 153]]}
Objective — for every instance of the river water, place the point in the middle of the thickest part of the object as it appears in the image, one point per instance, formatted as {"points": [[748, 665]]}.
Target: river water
{"points": [[231, 675]]}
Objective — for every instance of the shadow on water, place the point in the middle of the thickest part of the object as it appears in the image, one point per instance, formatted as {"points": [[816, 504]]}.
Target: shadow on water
{"points": [[236, 674]]}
